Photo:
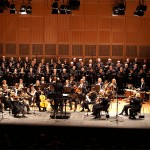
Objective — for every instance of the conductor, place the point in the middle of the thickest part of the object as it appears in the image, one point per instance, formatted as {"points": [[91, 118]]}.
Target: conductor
{"points": [[58, 89]]}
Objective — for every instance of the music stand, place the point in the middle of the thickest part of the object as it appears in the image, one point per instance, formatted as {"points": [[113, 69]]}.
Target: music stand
{"points": [[44, 85], [65, 97], [67, 90]]}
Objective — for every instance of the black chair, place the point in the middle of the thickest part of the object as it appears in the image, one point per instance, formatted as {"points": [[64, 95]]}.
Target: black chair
{"points": [[135, 112], [105, 109]]}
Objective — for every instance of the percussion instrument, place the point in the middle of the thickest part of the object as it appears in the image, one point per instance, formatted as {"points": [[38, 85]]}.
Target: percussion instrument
{"points": [[128, 92]]}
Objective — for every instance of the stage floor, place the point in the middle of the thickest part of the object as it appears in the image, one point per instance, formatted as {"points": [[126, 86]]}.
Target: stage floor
{"points": [[81, 119]]}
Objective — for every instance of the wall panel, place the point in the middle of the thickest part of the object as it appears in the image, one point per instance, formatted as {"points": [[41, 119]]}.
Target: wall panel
{"points": [[91, 28], [132, 23], [10, 22], [91, 36], [24, 36], [63, 36], [144, 37], [90, 50], [77, 23], [51, 22], [104, 50], [37, 22], [117, 50], [63, 22], [10, 35], [105, 10], [104, 23], [24, 22], [144, 51], [50, 49], [118, 23], [10, 49], [1, 35], [131, 51], [37, 36], [91, 23], [131, 37], [77, 50], [24, 49], [1, 22], [91, 9], [37, 49], [1, 48], [104, 36], [63, 49], [118, 36], [51, 36]]}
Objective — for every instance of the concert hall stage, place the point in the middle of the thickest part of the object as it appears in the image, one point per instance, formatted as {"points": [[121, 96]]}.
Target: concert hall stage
{"points": [[81, 119], [79, 131]]}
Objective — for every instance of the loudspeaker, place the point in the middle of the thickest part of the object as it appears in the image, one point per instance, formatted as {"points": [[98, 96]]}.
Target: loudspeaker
{"points": [[59, 115]]}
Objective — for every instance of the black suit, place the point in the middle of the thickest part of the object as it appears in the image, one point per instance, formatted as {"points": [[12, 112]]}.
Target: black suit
{"points": [[101, 106], [136, 107], [58, 89]]}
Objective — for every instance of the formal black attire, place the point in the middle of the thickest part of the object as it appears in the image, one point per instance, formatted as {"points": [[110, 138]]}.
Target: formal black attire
{"points": [[136, 107], [92, 97], [100, 106], [58, 89]]}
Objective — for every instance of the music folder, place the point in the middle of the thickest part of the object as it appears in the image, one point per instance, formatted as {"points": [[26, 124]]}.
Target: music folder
{"points": [[67, 89]]}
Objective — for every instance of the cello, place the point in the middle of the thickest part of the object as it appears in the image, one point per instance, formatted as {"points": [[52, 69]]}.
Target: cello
{"points": [[44, 103]]}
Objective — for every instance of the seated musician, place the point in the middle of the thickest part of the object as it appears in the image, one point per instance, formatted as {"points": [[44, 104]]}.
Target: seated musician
{"points": [[127, 106], [75, 92], [4, 84], [100, 83], [21, 84], [17, 107], [90, 99], [24, 101], [103, 103], [135, 107], [37, 98], [143, 88], [5, 97], [83, 90]]}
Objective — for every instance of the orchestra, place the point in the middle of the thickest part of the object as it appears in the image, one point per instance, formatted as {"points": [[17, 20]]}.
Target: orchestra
{"points": [[24, 81]]}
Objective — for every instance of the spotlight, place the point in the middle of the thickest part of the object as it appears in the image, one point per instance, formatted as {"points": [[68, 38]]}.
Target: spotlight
{"points": [[63, 9], [29, 9], [23, 9], [119, 8], [55, 9], [140, 10], [74, 4], [4, 4], [12, 9]]}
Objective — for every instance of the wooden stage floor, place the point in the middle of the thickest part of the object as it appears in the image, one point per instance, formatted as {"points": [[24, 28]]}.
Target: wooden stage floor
{"points": [[81, 119]]}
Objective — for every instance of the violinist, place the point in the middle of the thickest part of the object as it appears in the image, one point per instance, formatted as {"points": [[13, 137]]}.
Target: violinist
{"points": [[17, 107], [127, 106], [90, 99], [103, 103], [136, 106]]}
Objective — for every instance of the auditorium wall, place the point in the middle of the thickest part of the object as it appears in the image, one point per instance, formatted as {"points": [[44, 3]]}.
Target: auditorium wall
{"points": [[89, 32]]}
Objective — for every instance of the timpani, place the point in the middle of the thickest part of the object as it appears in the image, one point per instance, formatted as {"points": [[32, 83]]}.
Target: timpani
{"points": [[128, 92], [148, 94]]}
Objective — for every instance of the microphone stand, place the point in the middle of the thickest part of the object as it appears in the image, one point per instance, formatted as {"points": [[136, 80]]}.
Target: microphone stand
{"points": [[117, 118]]}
